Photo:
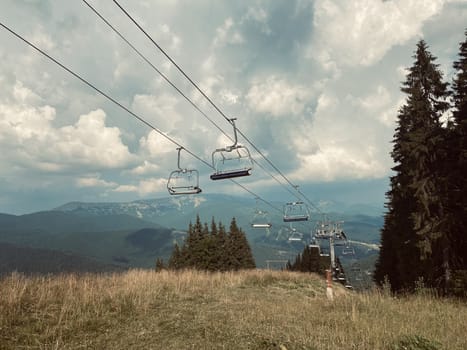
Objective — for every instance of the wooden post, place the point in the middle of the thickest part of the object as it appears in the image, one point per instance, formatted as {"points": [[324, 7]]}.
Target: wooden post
{"points": [[329, 291]]}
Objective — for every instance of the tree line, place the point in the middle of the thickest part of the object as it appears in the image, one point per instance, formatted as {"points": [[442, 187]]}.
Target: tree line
{"points": [[423, 239], [212, 249], [309, 260]]}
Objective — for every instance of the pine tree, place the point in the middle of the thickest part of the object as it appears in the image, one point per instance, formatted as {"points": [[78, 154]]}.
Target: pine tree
{"points": [[160, 264], [308, 260], [398, 238], [176, 259], [241, 256], [457, 179], [414, 230], [428, 101], [222, 248], [213, 250], [194, 245]]}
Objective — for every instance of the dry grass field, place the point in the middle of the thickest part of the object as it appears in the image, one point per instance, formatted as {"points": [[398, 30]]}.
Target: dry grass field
{"points": [[195, 310]]}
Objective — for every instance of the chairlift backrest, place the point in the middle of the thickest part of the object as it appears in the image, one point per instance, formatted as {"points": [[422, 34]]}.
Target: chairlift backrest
{"points": [[348, 250], [231, 161], [295, 211], [296, 236], [260, 218], [183, 181]]}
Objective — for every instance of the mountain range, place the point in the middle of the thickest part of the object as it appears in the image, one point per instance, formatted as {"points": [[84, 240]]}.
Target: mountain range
{"points": [[134, 234]]}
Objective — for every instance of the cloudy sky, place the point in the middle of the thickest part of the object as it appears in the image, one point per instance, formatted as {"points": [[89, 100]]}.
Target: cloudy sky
{"points": [[313, 84]]}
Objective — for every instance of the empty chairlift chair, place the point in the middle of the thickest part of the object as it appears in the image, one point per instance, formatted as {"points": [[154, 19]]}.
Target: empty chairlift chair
{"points": [[295, 236], [296, 211], [183, 181], [260, 218], [348, 249], [231, 161]]}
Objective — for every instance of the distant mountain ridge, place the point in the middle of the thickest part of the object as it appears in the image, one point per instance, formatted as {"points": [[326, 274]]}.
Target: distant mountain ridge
{"points": [[134, 234], [57, 221], [174, 211]]}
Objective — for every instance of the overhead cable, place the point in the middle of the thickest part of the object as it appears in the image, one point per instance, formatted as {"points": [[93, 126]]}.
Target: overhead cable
{"points": [[206, 96], [92, 86], [178, 89]]}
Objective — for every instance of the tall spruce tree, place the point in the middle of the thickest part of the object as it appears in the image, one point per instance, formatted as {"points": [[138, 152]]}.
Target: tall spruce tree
{"points": [[239, 250], [176, 261], [457, 183], [222, 248], [413, 233], [398, 235]]}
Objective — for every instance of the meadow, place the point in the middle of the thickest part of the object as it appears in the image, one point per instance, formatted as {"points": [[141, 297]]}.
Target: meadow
{"points": [[255, 309]]}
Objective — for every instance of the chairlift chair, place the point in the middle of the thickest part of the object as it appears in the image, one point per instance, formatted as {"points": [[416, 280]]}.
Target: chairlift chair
{"points": [[348, 249], [295, 211], [183, 181], [231, 161], [260, 218], [295, 236]]}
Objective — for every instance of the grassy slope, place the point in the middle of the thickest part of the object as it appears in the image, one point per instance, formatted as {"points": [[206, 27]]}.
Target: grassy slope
{"points": [[193, 310]]}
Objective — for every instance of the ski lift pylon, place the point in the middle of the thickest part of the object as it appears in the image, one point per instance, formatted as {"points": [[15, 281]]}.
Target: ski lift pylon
{"points": [[231, 161], [183, 181]]}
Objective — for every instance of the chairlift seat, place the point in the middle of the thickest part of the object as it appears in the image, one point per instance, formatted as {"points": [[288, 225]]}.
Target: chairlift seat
{"points": [[295, 218], [183, 182], [231, 161], [230, 174], [348, 251], [187, 190], [295, 211], [261, 225]]}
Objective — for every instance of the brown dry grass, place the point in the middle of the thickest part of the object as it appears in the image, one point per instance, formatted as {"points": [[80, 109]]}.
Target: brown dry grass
{"points": [[196, 310]]}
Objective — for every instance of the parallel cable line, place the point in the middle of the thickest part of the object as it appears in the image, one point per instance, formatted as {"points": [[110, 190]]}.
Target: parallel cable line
{"points": [[86, 82], [178, 90], [205, 96]]}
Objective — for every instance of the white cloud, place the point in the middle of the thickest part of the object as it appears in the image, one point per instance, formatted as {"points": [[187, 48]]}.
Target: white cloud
{"points": [[278, 97], [126, 188], [145, 168], [259, 15], [227, 34], [229, 97], [94, 181], [91, 142], [42, 39], [158, 109], [145, 187], [171, 38], [156, 145], [27, 130], [339, 163], [24, 95], [360, 32]]}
